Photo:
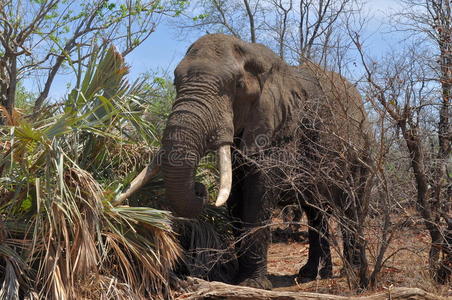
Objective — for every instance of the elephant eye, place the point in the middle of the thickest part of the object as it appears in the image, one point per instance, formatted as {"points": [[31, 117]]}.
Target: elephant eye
{"points": [[240, 84]]}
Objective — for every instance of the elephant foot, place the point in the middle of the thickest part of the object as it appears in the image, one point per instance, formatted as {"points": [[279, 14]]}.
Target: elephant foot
{"points": [[302, 278], [307, 274], [326, 272], [261, 282]]}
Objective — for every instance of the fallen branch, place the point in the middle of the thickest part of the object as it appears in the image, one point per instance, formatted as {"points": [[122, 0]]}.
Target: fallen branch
{"points": [[200, 289]]}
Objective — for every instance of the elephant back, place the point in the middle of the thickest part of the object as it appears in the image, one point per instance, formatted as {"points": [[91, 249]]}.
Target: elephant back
{"points": [[333, 108]]}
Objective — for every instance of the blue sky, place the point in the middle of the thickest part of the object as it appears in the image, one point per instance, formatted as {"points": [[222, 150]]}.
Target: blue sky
{"points": [[163, 49], [160, 53]]}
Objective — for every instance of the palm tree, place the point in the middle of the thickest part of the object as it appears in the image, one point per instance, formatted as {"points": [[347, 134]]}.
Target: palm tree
{"points": [[60, 235]]}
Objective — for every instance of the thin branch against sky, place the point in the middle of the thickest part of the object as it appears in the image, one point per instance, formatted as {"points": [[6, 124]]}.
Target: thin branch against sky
{"points": [[166, 46]]}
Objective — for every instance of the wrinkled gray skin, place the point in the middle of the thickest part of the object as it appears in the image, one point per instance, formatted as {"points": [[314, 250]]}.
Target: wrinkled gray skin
{"points": [[233, 92]]}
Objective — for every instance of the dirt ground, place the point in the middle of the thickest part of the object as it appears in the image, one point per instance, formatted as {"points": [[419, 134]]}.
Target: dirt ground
{"points": [[406, 261]]}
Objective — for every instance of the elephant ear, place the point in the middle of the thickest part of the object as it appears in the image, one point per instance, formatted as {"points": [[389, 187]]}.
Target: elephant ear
{"points": [[265, 97], [266, 113]]}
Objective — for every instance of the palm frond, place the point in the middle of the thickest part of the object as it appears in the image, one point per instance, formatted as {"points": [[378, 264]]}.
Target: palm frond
{"points": [[57, 176]]}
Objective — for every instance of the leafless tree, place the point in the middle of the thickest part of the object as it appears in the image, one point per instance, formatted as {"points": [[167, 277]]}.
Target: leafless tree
{"points": [[433, 20], [315, 24], [240, 18], [296, 30], [413, 87], [281, 24]]}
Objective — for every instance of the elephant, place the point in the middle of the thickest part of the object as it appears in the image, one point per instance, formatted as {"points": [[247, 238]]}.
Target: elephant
{"points": [[231, 94]]}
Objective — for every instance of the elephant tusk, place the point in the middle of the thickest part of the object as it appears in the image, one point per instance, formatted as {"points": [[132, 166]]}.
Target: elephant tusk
{"points": [[147, 174], [225, 166]]}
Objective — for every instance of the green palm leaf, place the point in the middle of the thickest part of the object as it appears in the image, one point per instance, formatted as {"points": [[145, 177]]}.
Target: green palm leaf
{"points": [[73, 240]]}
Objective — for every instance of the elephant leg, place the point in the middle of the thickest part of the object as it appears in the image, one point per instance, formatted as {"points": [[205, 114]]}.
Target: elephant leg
{"points": [[326, 264], [355, 257], [249, 209], [297, 214], [319, 248], [351, 249], [354, 247]]}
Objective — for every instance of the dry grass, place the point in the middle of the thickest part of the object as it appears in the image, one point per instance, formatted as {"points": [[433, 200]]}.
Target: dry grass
{"points": [[84, 245], [208, 246]]}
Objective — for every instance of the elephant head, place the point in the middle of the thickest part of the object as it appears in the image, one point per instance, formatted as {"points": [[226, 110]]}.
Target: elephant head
{"points": [[222, 92]]}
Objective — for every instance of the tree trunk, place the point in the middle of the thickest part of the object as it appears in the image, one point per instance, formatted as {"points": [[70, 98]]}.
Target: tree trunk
{"points": [[424, 206], [443, 184], [251, 19], [8, 82], [200, 289]]}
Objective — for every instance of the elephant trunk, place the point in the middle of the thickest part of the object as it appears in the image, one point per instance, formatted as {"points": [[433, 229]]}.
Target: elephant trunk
{"points": [[201, 120], [184, 143], [192, 205], [185, 196]]}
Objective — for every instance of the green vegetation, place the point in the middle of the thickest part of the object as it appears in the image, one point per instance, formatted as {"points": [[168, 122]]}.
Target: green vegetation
{"points": [[60, 236]]}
